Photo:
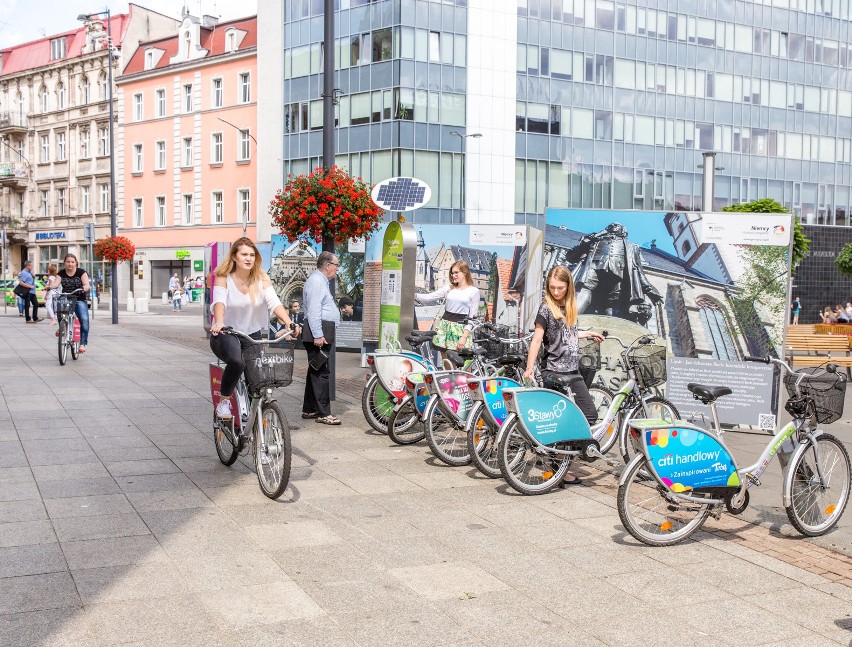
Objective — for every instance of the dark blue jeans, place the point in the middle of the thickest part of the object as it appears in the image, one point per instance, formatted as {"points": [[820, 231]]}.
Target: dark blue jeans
{"points": [[81, 309]]}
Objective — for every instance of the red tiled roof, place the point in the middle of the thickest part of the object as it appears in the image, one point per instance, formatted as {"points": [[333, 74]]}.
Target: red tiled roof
{"points": [[504, 272], [35, 54], [213, 40]]}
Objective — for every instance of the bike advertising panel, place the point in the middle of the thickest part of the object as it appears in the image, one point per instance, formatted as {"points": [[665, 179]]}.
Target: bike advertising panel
{"points": [[711, 287], [550, 417], [492, 397], [392, 370], [452, 388]]}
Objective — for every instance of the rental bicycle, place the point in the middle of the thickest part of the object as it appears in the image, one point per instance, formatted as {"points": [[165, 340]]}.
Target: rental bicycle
{"points": [[68, 332], [685, 473], [258, 423]]}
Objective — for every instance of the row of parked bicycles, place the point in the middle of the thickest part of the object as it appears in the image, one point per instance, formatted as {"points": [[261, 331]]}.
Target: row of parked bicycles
{"points": [[473, 407]]}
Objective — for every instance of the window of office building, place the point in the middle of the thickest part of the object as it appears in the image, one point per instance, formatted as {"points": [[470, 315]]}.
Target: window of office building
{"points": [[137, 107], [137, 212], [85, 199], [160, 103], [43, 202], [45, 149], [187, 209], [60, 147], [187, 152], [103, 141], [218, 214], [187, 98], [218, 93], [243, 205], [161, 156], [60, 202], [217, 149], [137, 158], [161, 211], [245, 145], [103, 202], [245, 87]]}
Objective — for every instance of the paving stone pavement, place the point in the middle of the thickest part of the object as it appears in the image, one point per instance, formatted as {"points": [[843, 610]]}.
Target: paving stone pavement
{"points": [[119, 526]]}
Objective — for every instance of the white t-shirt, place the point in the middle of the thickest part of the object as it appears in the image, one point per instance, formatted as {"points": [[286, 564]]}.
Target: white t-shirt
{"points": [[240, 313], [460, 301]]}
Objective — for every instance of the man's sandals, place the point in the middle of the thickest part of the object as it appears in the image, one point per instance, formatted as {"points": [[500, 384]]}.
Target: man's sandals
{"points": [[328, 420]]}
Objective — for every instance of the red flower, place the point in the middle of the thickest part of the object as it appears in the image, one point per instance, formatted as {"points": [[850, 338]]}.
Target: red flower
{"points": [[115, 249]]}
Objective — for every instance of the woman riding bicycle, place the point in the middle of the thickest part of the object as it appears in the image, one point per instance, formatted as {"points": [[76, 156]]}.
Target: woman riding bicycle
{"points": [[74, 278], [243, 297], [556, 327]]}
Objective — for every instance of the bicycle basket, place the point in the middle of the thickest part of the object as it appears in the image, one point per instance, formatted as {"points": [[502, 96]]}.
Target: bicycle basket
{"points": [[649, 362], [495, 349], [65, 305], [827, 391], [268, 366]]}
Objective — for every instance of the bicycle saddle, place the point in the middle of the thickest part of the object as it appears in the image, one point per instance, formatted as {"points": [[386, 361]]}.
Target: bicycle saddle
{"points": [[510, 360], [558, 382], [467, 353], [418, 338], [708, 394]]}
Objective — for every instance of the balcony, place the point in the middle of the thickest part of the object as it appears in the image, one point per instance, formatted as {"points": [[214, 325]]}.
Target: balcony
{"points": [[14, 174], [13, 123]]}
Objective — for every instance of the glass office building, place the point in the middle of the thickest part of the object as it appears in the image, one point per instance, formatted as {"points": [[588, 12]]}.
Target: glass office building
{"points": [[581, 103]]}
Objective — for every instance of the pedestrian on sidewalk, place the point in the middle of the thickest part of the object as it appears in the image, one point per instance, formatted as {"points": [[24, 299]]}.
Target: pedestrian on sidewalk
{"points": [[51, 291], [174, 282], [18, 300], [177, 300], [73, 278], [27, 279], [322, 317], [796, 307]]}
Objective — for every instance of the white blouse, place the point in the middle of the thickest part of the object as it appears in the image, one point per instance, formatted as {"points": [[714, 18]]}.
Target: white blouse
{"points": [[460, 301], [240, 313]]}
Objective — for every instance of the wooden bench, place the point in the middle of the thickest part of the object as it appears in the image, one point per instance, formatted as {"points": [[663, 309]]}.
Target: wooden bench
{"points": [[805, 348], [833, 329]]}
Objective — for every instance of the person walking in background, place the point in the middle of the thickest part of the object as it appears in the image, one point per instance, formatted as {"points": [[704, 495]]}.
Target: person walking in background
{"points": [[556, 329], [177, 300], [796, 308], [187, 295], [73, 278], [174, 282], [27, 279], [462, 302], [18, 299], [51, 291], [318, 334]]}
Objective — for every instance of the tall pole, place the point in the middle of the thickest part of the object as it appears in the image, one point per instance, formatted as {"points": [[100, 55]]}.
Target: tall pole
{"points": [[5, 263], [112, 230], [328, 149]]}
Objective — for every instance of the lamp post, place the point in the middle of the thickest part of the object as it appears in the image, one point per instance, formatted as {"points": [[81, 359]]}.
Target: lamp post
{"points": [[87, 19], [5, 221], [462, 139]]}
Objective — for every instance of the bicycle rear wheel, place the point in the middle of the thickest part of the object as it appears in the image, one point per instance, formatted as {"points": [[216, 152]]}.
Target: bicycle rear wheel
{"points": [[817, 502], [225, 449], [482, 445], [651, 513], [446, 438], [62, 341], [603, 399], [524, 468], [404, 427], [75, 345], [376, 404], [273, 451]]}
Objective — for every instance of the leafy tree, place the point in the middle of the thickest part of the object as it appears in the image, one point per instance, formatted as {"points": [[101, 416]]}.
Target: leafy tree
{"points": [[844, 259], [801, 243]]}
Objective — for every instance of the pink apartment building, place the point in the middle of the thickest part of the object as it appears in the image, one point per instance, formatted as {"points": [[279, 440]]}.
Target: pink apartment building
{"points": [[186, 149]]}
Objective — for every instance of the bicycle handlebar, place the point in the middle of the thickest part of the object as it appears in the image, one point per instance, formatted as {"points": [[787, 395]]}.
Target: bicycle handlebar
{"points": [[281, 335], [828, 368]]}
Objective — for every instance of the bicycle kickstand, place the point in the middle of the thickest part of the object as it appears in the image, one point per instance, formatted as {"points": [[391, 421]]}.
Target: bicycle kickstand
{"points": [[594, 452]]}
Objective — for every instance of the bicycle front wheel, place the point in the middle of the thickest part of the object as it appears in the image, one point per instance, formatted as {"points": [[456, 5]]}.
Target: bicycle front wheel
{"points": [[404, 426], [376, 404], [819, 482], [273, 451], [62, 341], [524, 468], [446, 438], [482, 444], [651, 513]]}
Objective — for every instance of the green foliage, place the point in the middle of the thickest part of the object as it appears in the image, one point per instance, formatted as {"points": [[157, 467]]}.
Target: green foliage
{"points": [[801, 243], [844, 259]]}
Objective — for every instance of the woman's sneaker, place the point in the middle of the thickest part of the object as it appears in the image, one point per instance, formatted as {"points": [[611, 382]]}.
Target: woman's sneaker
{"points": [[223, 409]]}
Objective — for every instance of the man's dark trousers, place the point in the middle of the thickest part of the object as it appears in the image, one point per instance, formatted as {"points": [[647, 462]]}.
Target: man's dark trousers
{"points": [[317, 398]]}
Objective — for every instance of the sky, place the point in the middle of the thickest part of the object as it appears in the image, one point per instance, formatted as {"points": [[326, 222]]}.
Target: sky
{"points": [[24, 20]]}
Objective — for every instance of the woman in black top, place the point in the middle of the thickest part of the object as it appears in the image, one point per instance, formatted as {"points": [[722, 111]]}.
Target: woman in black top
{"points": [[73, 278], [556, 328]]}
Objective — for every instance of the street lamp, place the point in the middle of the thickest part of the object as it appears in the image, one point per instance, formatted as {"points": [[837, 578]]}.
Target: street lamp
{"points": [[5, 221], [87, 18], [462, 139]]}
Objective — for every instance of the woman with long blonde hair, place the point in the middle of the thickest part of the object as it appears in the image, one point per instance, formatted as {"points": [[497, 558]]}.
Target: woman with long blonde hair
{"points": [[461, 302], [556, 329], [243, 297]]}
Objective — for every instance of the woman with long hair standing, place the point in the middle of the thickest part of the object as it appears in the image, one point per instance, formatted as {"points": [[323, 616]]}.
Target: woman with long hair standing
{"points": [[556, 329], [462, 302], [243, 297]]}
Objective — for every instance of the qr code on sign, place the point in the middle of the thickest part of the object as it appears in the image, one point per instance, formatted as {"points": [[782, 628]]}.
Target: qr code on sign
{"points": [[766, 421]]}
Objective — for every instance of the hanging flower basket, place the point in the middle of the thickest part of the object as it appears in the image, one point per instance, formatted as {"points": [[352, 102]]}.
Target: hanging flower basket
{"points": [[332, 203], [115, 249]]}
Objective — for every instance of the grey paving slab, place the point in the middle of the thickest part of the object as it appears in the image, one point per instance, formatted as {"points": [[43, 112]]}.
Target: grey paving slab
{"points": [[36, 559], [37, 593], [170, 499], [42, 457], [44, 473], [87, 506], [53, 627], [63, 488], [154, 483], [23, 533], [31, 510], [406, 628], [120, 551], [99, 527], [148, 580], [236, 607], [142, 467]]}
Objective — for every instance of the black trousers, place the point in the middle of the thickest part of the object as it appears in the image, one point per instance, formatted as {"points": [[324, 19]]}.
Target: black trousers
{"points": [[317, 392], [582, 398], [28, 300], [229, 349]]}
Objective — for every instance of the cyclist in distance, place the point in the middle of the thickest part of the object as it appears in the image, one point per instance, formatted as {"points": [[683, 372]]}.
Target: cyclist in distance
{"points": [[556, 328], [73, 278], [243, 298]]}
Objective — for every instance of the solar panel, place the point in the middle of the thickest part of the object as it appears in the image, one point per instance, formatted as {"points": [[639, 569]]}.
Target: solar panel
{"points": [[401, 194]]}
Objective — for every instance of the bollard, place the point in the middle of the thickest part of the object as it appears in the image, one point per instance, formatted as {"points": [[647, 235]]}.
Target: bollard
{"points": [[142, 305], [165, 298], [131, 304]]}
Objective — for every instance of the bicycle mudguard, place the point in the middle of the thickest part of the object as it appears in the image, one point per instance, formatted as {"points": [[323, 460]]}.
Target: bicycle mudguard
{"points": [[547, 416], [215, 382], [684, 457], [489, 391], [392, 369], [451, 388]]}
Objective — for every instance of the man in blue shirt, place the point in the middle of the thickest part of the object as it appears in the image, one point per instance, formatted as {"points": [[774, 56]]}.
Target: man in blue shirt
{"points": [[27, 279], [318, 332]]}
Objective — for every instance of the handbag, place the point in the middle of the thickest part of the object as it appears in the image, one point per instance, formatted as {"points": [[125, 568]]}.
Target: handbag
{"points": [[21, 291]]}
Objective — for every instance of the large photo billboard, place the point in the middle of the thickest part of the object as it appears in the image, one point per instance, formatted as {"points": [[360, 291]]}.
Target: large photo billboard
{"points": [[712, 287]]}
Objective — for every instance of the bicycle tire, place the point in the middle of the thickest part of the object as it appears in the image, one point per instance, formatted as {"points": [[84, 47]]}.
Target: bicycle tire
{"points": [[627, 445], [813, 509], [446, 439], [602, 403], [273, 450], [657, 529], [376, 404], [75, 345], [226, 451], [63, 341], [482, 444], [403, 427], [526, 470]]}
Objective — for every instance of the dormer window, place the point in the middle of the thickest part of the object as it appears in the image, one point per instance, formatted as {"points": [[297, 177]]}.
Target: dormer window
{"points": [[57, 48], [187, 41], [149, 59], [230, 41]]}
